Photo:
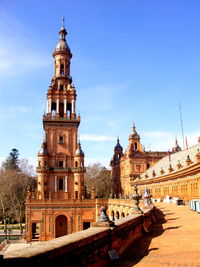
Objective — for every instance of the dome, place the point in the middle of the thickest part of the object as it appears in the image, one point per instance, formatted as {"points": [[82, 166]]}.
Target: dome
{"points": [[62, 45], [79, 151], [176, 148], [43, 149], [134, 134], [118, 146]]}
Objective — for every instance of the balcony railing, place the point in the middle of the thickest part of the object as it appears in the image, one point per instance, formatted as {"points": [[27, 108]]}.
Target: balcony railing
{"points": [[72, 169], [49, 117]]}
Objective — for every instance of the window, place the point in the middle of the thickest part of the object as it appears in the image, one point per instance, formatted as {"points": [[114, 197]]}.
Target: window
{"points": [[60, 164], [135, 146], [86, 225], [76, 194], [60, 184], [61, 139], [76, 163], [61, 87], [138, 167], [62, 69]]}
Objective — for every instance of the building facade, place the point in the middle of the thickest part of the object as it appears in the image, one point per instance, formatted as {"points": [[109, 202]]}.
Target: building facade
{"points": [[176, 176], [59, 206], [126, 167]]}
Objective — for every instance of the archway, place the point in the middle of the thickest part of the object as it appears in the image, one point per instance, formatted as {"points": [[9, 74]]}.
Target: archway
{"points": [[61, 225], [117, 215], [112, 215], [122, 215]]}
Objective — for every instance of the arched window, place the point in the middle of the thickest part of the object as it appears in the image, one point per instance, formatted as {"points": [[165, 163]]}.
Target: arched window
{"points": [[76, 163], [112, 215], [61, 109], [69, 109], [135, 146], [117, 215], [53, 106], [61, 68], [122, 215], [60, 184]]}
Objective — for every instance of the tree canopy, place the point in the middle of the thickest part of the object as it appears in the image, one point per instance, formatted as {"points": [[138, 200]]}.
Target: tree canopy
{"points": [[99, 177], [12, 161]]}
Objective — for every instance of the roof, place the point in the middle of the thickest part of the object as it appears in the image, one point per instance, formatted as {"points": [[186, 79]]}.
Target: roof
{"points": [[161, 168]]}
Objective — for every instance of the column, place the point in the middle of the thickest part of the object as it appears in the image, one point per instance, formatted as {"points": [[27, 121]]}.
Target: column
{"points": [[73, 106], [66, 185], [47, 105], [65, 106], [55, 183], [57, 106]]}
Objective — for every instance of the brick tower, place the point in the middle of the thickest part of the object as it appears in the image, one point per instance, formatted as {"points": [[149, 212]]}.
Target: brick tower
{"points": [[58, 207]]}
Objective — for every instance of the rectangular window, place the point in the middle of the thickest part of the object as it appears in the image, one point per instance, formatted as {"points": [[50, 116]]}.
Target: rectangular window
{"points": [[61, 87], [61, 140], [138, 168], [60, 164]]}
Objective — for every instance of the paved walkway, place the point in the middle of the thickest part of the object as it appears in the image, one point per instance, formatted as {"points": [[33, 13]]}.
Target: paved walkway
{"points": [[173, 241]]}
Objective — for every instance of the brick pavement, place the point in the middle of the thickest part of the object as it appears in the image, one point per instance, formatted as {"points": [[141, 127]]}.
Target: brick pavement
{"points": [[174, 240]]}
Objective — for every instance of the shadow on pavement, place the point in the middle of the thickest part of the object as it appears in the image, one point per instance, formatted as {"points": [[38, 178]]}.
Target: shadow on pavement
{"points": [[140, 248]]}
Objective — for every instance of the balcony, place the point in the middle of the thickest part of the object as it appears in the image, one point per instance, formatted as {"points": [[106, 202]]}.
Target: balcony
{"points": [[60, 169], [72, 118]]}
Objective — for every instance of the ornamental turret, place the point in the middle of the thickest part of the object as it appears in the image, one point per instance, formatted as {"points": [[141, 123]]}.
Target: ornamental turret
{"points": [[134, 141]]}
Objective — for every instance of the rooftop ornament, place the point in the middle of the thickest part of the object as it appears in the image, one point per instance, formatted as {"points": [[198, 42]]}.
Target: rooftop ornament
{"points": [[170, 168], [188, 160], [179, 165], [136, 198], [198, 155], [162, 171]]}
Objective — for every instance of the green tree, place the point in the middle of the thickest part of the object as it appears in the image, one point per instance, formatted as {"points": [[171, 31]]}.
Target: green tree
{"points": [[12, 161], [13, 189], [99, 177]]}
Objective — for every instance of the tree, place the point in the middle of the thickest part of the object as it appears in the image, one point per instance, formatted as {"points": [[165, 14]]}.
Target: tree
{"points": [[13, 189], [99, 177], [12, 161]]}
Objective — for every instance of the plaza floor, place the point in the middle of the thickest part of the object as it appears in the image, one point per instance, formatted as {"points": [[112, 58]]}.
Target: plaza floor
{"points": [[174, 240]]}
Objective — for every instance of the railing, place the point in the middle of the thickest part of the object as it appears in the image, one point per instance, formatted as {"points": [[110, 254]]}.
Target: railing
{"points": [[90, 247], [72, 169], [68, 118]]}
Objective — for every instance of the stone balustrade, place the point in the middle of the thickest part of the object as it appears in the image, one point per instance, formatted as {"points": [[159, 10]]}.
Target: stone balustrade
{"points": [[85, 248]]}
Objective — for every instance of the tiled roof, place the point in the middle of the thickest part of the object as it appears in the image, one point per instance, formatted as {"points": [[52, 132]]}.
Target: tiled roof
{"points": [[169, 164]]}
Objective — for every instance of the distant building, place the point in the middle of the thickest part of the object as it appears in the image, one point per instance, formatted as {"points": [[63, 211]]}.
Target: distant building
{"points": [[126, 167], [177, 175]]}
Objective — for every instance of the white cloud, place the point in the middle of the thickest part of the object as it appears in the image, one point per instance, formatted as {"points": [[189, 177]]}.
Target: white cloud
{"points": [[156, 134], [97, 138]]}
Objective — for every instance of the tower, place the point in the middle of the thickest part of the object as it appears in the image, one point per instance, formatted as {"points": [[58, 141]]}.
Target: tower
{"points": [[116, 190], [58, 171], [59, 207]]}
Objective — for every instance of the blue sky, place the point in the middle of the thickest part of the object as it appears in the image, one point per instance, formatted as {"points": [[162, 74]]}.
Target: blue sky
{"points": [[132, 60]]}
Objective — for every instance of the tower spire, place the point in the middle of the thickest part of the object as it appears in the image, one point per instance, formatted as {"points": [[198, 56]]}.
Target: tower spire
{"points": [[63, 21]]}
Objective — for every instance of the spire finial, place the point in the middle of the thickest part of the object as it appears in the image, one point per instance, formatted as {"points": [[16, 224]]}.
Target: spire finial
{"points": [[63, 21], [133, 127]]}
